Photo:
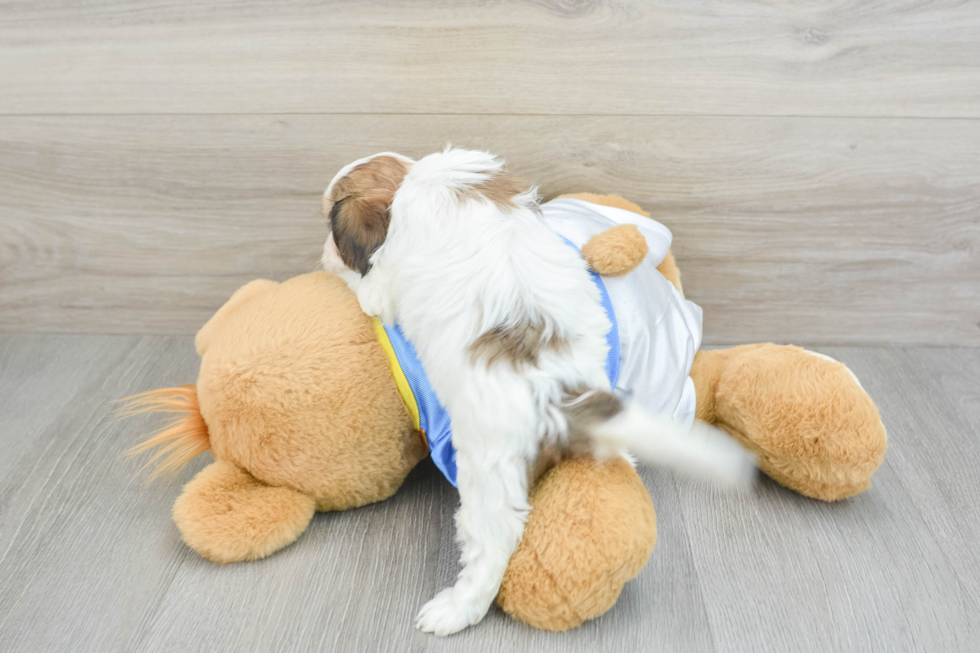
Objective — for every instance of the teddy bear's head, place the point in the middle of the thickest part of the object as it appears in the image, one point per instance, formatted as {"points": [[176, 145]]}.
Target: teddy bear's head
{"points": [[306, 399], [296, 400]]}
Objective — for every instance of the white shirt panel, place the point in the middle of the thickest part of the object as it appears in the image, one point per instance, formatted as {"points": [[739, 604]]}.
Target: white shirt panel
{"points": [[659, 330]]}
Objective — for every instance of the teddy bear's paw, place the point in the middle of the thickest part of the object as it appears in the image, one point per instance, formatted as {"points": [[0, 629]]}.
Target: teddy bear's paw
{"points": [[447, 614]]}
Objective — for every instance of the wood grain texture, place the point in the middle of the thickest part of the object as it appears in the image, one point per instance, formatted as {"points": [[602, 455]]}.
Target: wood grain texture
{"points": [[80, 558], [869, 58], [789, 229], [91, 561], [845, 568]]}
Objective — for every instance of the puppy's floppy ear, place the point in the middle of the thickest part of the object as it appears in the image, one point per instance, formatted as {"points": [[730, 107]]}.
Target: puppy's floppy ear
{"points": [[361, 209], [359, 227]]}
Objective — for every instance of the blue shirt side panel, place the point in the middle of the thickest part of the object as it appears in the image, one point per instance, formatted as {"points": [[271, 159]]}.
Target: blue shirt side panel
{"points": [[612, 336], [433, 418]]}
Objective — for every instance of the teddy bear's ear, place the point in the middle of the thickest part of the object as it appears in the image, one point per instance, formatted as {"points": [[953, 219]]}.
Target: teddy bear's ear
{"points": [[227, 515], [247, 292]]}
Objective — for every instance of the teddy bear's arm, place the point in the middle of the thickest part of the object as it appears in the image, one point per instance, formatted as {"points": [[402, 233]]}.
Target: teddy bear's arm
{"points": [[616, 251], [667, 267], [227, 515]]}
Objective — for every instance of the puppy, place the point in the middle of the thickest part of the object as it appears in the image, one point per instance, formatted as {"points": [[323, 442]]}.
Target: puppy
{"points": [[510, 327]]}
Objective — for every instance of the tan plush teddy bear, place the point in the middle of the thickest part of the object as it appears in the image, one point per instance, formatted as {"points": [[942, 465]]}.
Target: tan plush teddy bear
{"points": [[297, 401]]}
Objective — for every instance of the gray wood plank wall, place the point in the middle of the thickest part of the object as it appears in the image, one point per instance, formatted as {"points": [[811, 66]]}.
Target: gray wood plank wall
{"points": [[819, 164]]}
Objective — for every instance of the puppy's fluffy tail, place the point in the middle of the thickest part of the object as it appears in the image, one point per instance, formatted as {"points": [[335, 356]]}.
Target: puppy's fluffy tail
{"points": [[701, 451]]}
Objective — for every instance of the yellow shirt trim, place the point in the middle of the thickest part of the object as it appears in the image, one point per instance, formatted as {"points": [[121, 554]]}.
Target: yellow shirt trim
{"points": [[404, 388]]}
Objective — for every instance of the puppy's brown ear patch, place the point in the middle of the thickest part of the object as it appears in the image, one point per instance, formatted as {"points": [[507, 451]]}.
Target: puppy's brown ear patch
{"points": [[361, 209]]}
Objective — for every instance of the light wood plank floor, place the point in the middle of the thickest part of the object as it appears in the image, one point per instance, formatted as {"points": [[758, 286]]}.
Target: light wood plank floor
{"points": [[90, 560]]}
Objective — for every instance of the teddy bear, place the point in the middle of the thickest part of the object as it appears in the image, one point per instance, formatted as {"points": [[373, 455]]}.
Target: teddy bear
{"points": [[297, 401]]}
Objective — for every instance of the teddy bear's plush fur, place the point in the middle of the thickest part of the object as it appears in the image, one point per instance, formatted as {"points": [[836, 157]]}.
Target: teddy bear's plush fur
{"points": [[297, 403]]}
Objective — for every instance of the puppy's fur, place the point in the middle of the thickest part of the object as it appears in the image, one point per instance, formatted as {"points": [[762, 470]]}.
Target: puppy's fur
{"points": [[510, 329]]}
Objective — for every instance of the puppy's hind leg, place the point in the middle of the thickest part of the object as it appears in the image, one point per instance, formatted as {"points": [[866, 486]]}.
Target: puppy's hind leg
{"points": [[489, 526]]}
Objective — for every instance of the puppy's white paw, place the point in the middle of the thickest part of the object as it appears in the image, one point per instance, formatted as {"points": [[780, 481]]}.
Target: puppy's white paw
{"points": [[445, 614]]}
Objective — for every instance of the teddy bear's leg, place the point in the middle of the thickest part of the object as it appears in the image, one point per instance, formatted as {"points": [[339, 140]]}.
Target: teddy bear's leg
{"points": [[806, 416], [591, 528], [227, 515]]}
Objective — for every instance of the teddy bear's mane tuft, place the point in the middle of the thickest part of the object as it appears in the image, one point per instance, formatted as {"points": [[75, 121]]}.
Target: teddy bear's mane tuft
{"points": [[178, 441]]}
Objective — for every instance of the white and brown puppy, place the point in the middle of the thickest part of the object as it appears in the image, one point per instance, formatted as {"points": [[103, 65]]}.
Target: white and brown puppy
{"points": [[510, 329]]}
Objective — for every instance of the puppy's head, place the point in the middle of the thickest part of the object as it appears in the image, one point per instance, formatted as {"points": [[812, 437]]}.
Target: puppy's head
{"points": [[358, 203]]}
